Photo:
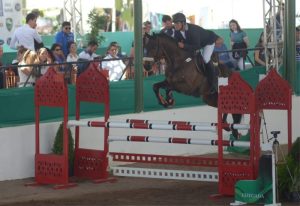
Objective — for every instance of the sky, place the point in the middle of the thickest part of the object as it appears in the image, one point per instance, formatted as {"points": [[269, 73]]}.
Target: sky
{"points": [[212, 14]]}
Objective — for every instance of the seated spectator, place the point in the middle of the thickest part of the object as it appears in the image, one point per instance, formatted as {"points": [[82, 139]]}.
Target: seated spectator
{"points": [[115, 67], [72, 57], [89, 52], [28, 74], [87, 55], [43, 59], [59, 56], [259, 55], [224, 57], [1, 70], [298, 43], [238, 40]]}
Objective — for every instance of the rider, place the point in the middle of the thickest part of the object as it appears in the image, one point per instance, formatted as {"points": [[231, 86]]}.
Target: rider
{"points": [[193, 38]]}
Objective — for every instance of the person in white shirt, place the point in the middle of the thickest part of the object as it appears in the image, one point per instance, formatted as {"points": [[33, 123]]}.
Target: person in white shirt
{"points": [[89, 52], [26, 34], [114, 67]]}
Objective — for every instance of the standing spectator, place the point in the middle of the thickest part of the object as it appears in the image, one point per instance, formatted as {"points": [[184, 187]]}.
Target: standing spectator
{"points": [[192, 38], [89, 52], [259, 54], [28, 74], [115, 67], [26, 34], [64, 37], [168, 26], [147, 26], [238, 40]]}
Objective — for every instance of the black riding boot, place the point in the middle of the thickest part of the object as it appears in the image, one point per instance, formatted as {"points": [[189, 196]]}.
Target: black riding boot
{"points": [[211, 77]]}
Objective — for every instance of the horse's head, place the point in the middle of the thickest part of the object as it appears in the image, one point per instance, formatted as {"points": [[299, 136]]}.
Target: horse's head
{"points": [[152, 47]]}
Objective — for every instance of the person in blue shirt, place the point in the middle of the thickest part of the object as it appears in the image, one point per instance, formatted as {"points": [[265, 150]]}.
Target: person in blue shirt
{"points": [[64, 37], [224, 57]]}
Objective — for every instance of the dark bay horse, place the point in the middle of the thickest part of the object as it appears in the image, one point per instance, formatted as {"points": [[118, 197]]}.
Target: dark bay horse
{"points": [[183, 73]]}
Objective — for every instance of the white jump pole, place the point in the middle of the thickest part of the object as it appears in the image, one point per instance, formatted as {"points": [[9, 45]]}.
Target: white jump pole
{"points": [[178, 140]]}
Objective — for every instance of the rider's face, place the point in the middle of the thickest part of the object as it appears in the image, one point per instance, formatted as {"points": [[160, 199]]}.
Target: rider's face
{"points": [[178, 26]]}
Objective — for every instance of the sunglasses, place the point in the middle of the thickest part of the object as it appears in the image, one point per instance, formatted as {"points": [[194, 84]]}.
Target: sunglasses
{"points": [[57, 49], [67, 28]]}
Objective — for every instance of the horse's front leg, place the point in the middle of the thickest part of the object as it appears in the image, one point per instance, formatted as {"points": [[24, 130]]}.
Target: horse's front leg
{"points": [[236, 120], [161, 100]]}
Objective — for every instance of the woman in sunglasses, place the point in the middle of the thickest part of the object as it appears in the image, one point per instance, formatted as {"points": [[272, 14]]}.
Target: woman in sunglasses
{"points": [[64, 37]]}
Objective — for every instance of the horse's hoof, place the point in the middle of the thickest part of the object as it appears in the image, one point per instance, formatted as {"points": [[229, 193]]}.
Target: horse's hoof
{"points": [[227, 129], [171, 102], [235, 134]]}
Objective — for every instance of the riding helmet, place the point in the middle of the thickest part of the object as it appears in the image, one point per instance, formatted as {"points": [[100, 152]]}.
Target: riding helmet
{"points": [[179, 17]]}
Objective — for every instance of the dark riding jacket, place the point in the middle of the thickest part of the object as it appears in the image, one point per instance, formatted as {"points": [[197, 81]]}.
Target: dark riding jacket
{"points": [[196, 37]]}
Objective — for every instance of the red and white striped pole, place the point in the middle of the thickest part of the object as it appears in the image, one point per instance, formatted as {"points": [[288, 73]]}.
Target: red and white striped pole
{"points": [[231, 126], [178, 140], [159, 126]]}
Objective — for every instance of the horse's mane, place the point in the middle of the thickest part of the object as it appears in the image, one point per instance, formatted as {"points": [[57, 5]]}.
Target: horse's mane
{"points": [[165, 36]]}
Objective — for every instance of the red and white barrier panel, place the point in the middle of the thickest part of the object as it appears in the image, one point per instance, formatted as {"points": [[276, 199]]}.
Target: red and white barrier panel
{"points": [[231, 126], [143, 125], [178, 140]]}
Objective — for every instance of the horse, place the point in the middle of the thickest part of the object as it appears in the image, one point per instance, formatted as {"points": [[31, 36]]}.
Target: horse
{"points": [[184, 73]]}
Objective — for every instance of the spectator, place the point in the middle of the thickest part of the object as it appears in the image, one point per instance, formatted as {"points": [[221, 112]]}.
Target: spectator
{"points": [[59, 57], [1, 54], [238, 40], [26, 34], [28, 74], [298, 43], [223, 56], [64, 37], [147, 26], [58, 53], [87, 55], [259, 54], [115, 67], [89, 52], [168, 26], [1, 70], [43, 59], [72, 57]]}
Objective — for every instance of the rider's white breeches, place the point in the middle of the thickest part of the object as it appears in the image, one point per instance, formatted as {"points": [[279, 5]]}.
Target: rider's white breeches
{"points": [[207, 52]]}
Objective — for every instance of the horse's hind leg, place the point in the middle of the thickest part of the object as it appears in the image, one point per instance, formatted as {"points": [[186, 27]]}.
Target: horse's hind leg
{"points": [[236, 120], [169, 97], [156, 87]]}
